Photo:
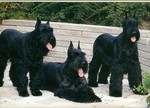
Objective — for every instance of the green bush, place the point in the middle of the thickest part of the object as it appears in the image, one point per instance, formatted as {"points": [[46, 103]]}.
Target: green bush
{"points": [[99, 13], [146, 79], [109, 14], [12, 10], [146, 82], [145, 88]]}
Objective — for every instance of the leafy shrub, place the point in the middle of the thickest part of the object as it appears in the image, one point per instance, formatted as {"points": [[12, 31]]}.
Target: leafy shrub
{"points": [[146, 79], [145, 88], [99, 13], [13, 10], [146, 82], [142, 89]]}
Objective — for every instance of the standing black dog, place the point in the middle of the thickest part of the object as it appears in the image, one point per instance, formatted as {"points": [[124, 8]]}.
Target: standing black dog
{"points": [[117, 55], [26, 52], [67, 79]]}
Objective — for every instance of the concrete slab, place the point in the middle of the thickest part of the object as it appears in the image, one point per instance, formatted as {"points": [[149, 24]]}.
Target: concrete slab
{"points": [[9, 98]]}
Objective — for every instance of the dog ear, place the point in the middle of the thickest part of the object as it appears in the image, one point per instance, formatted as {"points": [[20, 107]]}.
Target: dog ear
{"points": [[134, 14], [70, 46], [79, 45], [126, 15], [38, 22], [48, 22]]}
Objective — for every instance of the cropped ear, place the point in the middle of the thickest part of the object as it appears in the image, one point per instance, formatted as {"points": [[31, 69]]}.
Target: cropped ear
{"points": [[126, 15], [38, 23], [79, 45], [134, 14], [70, 48], [48, 22]]}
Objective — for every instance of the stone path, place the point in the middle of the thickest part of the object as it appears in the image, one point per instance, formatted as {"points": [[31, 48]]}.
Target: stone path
{"points": [[9, 98]]}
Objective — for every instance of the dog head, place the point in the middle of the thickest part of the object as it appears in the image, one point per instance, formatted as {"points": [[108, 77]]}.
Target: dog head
{"points": [[130, 29], [76, 61], [45, 35]]}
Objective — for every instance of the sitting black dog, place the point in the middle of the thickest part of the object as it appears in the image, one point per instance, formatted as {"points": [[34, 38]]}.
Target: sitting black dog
{"points": [[26, 52], [117, 55], [67, 79]]}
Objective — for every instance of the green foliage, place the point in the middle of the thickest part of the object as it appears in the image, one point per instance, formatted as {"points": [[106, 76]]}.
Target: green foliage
{"points": [[148, 101], [146, 82], [141, 89], [13, 10], [99, 13], [145, 88], [93, 13]]}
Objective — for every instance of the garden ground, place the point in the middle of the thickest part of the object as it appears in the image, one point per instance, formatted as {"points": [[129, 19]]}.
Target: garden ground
{"points": [[9, 98]]}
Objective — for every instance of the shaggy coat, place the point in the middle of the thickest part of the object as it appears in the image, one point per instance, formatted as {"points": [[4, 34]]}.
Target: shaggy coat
{"points": [[117, 55], [26, 52], [67, 79]]}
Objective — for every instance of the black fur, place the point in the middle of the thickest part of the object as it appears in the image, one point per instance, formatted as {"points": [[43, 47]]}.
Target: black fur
{"points": [[26, 52], [63, 78], [117, 55]]}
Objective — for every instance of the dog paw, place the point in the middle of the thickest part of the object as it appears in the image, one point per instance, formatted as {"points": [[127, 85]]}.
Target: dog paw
{"points": [[23, 93], [102, 81], [93, 84], [59, 93], [36, 93], [115, 93], [97, 99], [1, 83], [91, 100], [15, 85]]}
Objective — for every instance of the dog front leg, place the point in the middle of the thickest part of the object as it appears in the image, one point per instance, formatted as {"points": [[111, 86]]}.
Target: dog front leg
{"points": [[36, 80], [135, 78], [115, 87], [22, 81]]}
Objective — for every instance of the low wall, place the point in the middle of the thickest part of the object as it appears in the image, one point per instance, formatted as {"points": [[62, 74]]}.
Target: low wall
{"points": [[86, 34]]}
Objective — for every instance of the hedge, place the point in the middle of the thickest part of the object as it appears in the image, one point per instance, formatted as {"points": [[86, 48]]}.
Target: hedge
{"points": [[98, 13]]}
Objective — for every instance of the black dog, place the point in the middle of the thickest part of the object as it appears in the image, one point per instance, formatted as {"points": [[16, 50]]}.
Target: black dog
{"points": [[26, 52], [117, 55], [67, 79]]}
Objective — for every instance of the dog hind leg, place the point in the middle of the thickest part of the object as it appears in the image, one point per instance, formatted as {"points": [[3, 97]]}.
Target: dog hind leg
{"points": [[103, 75], [3, 64], [13, 74], [22, 80], [99, 58], [93, 70]]}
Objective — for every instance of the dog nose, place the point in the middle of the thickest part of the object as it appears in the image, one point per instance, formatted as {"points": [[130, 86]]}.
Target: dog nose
{"points": [[52, 38], [52, 41]]}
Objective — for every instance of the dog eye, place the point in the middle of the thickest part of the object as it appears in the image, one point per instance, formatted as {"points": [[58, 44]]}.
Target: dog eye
{"points": [[51, 29], [136, 23], [44, 30], [83, 54], [129, 23], [76, 54]]}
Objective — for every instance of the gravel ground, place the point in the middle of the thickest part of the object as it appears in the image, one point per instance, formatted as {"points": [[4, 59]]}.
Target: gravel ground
{"points": [[9, 98]]}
